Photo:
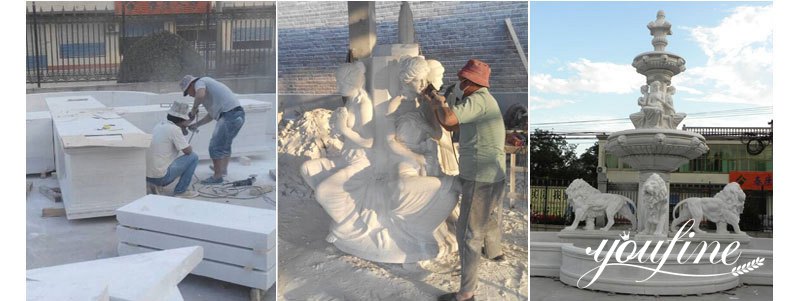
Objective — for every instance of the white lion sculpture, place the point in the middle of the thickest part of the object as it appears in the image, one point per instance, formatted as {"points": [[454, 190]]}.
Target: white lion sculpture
{"points": [[724, 208], [657, 208], [589, 203]]}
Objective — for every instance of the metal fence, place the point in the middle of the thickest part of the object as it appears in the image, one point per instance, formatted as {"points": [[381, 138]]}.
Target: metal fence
{"points": [[89, 45], [549, 202]]}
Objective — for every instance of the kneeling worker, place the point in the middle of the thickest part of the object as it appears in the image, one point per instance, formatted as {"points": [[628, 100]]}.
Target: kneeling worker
{"points": [[164, 159]]}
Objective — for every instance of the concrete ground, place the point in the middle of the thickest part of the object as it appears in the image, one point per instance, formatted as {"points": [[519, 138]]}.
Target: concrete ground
{"points": [[56, 240], [551, 289]]}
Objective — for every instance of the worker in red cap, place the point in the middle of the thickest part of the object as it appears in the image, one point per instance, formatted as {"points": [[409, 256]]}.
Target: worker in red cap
{"points": [[482, 170]]}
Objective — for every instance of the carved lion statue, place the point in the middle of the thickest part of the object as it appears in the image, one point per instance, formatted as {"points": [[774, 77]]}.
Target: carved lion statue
{"points": [[655, 199], [724, 208], [589, 203]]}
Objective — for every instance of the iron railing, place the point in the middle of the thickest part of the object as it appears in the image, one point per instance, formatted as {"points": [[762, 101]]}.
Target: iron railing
{"points": [[729, 131], [89, 45], [549, 202]]}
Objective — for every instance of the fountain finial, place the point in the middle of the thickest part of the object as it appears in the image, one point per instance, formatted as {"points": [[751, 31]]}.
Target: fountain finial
{"points": [[659, 29]]}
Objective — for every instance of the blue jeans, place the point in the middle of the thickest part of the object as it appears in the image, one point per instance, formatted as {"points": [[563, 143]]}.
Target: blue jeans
{"points": [[228, 126], [184, 167]]}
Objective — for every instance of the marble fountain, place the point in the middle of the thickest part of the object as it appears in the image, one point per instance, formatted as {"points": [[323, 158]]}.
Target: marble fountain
{"points": [[655, 257]]}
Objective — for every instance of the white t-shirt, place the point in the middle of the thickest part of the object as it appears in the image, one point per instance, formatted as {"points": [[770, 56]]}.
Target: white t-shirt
{"points": [[219, 98], [167, 144]]}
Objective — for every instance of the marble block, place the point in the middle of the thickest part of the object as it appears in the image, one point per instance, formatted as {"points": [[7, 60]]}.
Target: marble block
{"points": [[142, 277], [222, 223], [69, 289], [218, 270], [256, 137], [100, 157], [39, 149], [244, 257], [239, 242]]}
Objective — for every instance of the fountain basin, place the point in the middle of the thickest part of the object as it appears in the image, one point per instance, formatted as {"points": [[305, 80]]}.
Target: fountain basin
{"points": [[659, 65], [620, 279], [553, 255], [656, 149]]}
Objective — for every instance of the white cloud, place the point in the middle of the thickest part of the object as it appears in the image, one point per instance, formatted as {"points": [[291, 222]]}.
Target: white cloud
{"points": [[591, 77], [539, 103], [739, 65], [738, 68]]}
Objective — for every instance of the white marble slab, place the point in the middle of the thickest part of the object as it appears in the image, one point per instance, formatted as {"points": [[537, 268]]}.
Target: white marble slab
{"points": [[99, 156], [245, 257], [69, 289], [39, 148], [241, 226], [141, 277], [218, 270]]}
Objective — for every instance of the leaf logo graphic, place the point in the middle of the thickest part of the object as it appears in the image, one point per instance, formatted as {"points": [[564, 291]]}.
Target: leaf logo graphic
{"points": [[748, 267]]}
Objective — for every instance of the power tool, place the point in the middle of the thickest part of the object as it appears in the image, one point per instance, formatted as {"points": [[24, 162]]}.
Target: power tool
{"points": [[246, 182]]}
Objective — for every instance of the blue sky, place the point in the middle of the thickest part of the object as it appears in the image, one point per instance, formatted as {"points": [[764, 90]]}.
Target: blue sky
{"points": [[581, 54]]}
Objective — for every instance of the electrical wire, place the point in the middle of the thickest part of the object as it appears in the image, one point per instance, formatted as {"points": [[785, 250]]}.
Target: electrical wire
{"points": [[226, 190], [697, 115]]}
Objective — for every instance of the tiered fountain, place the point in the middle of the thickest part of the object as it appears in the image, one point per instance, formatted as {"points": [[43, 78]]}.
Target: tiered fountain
{"points": [[655, 148]]}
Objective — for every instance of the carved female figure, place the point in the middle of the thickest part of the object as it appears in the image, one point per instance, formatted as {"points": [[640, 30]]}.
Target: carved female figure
{"points": [[337, 181]]}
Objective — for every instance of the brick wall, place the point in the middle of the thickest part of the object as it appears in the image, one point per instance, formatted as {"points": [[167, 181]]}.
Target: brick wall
{"points": [[313, 40]]}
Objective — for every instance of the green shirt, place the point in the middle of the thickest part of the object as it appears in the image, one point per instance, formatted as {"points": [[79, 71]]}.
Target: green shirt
{"points": [[482, 134]]}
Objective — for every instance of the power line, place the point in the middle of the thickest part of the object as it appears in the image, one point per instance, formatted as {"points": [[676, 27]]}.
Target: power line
{"points": [[722, 113]]}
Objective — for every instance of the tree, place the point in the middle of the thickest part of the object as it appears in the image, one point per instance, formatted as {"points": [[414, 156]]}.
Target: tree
{"points": [[162, 56], [552, 157], [588, 163]]}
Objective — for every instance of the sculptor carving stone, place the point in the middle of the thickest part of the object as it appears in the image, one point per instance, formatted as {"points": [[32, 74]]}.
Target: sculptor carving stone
{"points": [[395, 214], [589, 203], [724, 208], [657, 205]]}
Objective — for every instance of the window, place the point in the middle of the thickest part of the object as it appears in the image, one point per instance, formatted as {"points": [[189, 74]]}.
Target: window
{"points": [[250, 38], [81, 50], [140, 29], [31, 61], [724, 158], [611, 161]]}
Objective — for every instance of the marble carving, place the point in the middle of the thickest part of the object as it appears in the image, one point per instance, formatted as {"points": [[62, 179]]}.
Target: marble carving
{"points": [[589, 203], [724, 209], [657, 205], [657, 110], [393, 214]]}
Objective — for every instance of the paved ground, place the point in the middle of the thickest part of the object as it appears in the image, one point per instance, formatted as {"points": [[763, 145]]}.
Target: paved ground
{"points": [[56, 240], [550, 289]]}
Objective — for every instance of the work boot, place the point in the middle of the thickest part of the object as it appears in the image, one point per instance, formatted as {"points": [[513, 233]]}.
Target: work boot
{"points": [[189, 194], [211, 167], [499, 258], [154, 189], [212, 180]]}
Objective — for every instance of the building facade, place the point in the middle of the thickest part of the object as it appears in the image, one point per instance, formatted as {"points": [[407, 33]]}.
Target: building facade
{"points": [[86, 41]]}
